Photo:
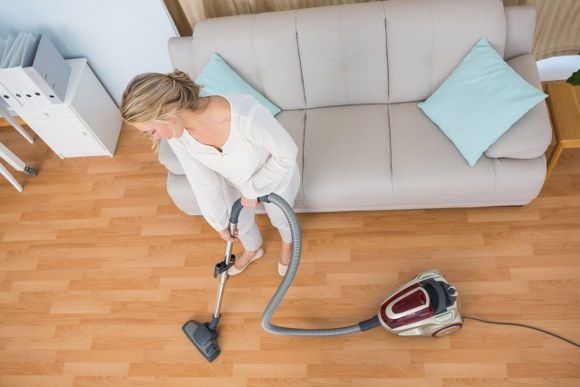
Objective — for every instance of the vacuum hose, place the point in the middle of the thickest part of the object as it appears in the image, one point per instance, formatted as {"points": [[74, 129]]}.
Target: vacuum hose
{"points": [[289, 277]]}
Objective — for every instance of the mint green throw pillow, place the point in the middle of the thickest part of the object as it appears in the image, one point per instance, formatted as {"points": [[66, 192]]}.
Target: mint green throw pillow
{"points": [[480, 101], [219, 78]]}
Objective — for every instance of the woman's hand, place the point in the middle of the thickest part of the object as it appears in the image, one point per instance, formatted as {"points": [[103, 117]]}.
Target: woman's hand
{"points": [[225, 235], [249, 202]]}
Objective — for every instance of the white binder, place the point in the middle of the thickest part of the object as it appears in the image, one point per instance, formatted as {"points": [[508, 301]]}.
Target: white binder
{"points": [[7, 96], [49, 71], [32, 95], [32, 71], [6, 77]]}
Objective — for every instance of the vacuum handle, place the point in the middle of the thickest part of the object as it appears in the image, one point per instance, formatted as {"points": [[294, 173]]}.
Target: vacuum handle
{"points": [[237, 208], [440, 291]]}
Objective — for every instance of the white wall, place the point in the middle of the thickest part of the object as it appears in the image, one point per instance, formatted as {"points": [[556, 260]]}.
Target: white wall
{"points": [[558, 67], [120, 38]]}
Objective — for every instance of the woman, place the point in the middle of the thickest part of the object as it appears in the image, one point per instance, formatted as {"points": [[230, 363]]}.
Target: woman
{"points": [[229, 146]]}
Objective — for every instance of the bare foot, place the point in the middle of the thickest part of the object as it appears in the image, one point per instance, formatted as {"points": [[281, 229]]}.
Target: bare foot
{"points": [[285, 253], [244, 259]]}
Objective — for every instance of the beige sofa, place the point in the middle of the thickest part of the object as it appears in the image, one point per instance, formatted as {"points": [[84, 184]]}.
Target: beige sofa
{"points": [[350, 77]]}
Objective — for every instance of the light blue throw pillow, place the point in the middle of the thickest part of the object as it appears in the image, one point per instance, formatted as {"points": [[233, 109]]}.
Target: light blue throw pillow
{"points": [[480, 101], [219, 78]]}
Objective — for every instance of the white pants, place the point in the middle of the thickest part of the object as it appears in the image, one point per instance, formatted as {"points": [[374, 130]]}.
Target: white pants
{"points": [[248, 231]]}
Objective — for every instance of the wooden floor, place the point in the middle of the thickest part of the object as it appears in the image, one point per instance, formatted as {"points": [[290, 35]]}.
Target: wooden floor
{"points": [[98, 271]]}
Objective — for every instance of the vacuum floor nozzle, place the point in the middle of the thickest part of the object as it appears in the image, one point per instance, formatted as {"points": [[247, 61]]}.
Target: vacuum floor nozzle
{"points": [[204, 338]]}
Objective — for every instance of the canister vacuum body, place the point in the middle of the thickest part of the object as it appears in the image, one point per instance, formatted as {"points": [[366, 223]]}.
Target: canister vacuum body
{"points": [[424, 306]]}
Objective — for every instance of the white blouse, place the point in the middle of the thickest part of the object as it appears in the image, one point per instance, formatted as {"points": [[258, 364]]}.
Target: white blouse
{"points": [[259, 157]]}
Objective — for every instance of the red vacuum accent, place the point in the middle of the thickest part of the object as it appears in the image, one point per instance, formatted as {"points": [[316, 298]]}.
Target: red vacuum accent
{"points": [[413, 300]]}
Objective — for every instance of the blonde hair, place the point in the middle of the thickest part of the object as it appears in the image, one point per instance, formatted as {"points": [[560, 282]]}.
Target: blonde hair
{"points": [[156, 96]]}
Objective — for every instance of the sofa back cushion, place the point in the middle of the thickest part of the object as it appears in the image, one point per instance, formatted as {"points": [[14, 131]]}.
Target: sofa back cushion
{"points": [[260, 48], [365, 53], [343, 54], [427, 39]]}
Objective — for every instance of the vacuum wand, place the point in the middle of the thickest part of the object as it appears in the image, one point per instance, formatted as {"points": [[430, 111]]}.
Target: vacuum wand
{"points": [[204, 335], [229, 260]]}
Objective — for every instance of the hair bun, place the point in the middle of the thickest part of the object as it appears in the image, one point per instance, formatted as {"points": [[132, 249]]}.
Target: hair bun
{"points": [[179, 76]]}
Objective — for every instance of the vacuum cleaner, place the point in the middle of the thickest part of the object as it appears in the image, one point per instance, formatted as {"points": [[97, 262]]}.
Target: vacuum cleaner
{"points": [[425, 306]]}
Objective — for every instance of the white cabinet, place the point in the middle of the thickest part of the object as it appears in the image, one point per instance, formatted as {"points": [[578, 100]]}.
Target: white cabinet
{"points": [[74, 140], [88, 123]]}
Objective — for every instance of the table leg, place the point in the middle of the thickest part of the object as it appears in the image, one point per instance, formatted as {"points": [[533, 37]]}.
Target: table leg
{"points": [[553, 160]]}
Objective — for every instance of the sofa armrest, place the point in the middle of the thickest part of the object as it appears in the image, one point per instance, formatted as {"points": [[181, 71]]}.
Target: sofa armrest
{"points": [[531, 135], [521, 21]]}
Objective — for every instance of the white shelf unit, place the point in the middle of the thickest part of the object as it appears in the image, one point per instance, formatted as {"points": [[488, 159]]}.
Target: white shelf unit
{"points": [[87, 123]]}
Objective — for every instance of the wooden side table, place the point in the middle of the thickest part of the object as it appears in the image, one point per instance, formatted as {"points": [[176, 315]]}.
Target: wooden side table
{"points": [[564, 108]]}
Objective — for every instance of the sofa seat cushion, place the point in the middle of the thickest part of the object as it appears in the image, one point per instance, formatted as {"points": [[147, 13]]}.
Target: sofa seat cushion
{"points": [[293, 122], [168, 158], [181, 193], [347, 157], [425, 162]]}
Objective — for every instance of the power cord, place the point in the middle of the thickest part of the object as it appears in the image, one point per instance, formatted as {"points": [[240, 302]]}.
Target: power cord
{"points": [[522, 325]]}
